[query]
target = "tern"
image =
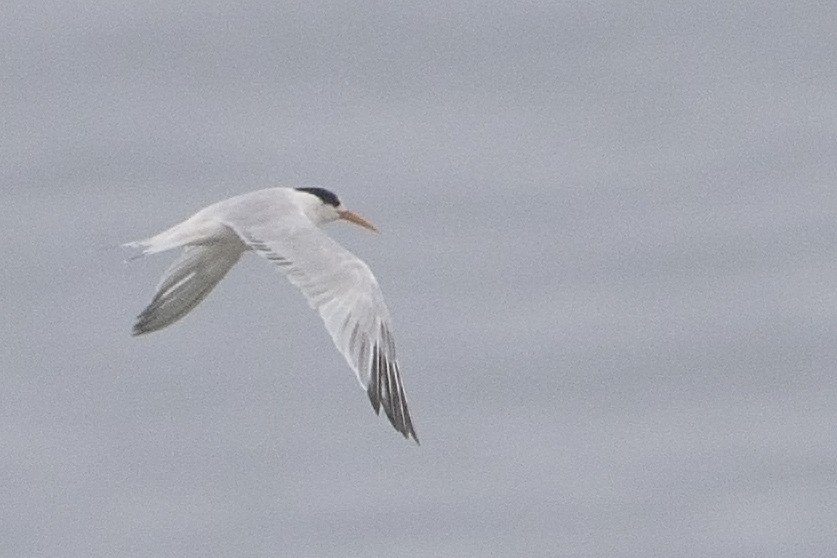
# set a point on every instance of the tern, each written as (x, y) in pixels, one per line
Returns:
(283, 226)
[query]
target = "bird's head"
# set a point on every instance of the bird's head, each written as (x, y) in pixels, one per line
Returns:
(323, 206)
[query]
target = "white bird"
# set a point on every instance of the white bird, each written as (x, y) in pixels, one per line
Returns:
(282, 225)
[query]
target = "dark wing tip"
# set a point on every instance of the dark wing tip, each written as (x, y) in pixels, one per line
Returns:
(145, 321)
(141, 326)
(385, 391)
(151, 319)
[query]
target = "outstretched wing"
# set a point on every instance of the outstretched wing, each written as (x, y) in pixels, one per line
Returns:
(187, 282)
(343, 290)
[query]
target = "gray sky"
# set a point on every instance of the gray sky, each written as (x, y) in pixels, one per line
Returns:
(608, 247)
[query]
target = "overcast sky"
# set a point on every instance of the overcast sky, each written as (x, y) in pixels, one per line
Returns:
(608, 245)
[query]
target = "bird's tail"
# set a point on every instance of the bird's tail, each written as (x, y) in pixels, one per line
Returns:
(190, 231)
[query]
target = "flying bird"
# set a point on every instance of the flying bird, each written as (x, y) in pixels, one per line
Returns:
(282, 225)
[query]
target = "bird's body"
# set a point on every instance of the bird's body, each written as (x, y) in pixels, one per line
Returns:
(282, 225)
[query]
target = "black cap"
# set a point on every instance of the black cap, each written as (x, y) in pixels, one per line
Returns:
(323, 194)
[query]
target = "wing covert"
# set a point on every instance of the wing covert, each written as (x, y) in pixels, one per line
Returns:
(343, 290)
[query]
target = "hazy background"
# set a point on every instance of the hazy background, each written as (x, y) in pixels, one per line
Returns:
(608, 245)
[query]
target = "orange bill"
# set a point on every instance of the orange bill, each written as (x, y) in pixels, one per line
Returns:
(356, 219)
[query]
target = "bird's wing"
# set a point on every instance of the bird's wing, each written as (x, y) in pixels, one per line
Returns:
(343, 290)
(187, 282)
